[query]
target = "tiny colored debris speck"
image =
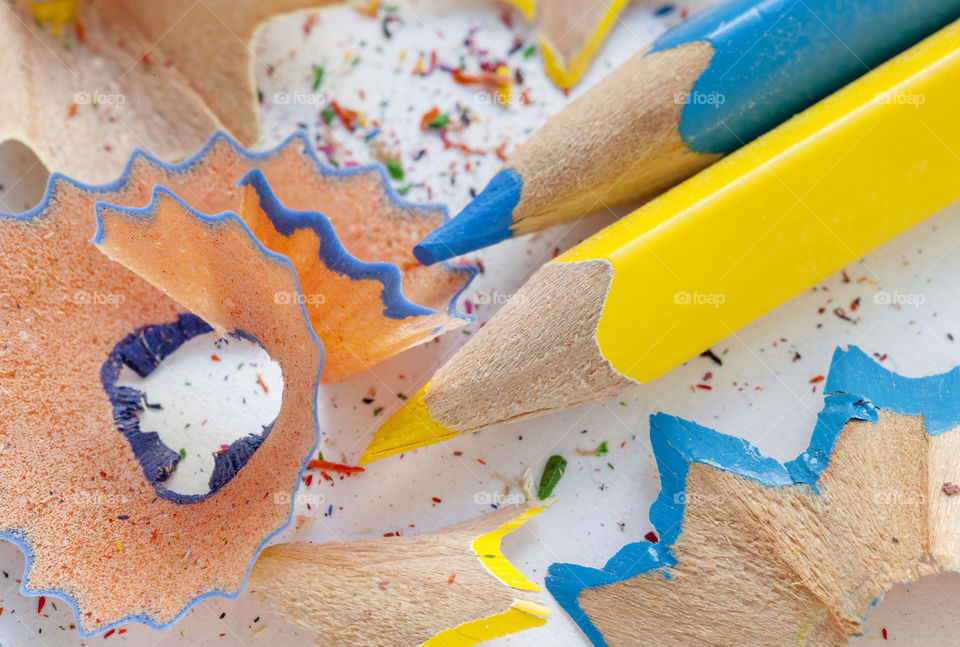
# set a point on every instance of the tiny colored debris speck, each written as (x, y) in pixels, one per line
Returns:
(317, 77)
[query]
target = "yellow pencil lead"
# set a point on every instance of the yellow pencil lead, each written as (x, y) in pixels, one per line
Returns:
(409, 428)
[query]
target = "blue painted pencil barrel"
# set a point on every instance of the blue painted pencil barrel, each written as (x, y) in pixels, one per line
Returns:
(773, 59)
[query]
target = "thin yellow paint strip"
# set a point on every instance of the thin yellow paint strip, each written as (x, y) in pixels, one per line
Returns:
(521, 615)
(782, 213)
(409, 428)
(487, 548)
(566, 72)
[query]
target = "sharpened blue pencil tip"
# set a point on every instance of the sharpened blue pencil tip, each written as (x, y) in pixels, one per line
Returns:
(485, 221)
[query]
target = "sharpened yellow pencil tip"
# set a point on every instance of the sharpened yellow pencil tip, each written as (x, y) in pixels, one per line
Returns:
(409, 428)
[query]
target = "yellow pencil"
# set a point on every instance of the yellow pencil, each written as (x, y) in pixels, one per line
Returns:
(711, 255)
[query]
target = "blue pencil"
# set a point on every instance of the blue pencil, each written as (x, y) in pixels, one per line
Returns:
(701, 91)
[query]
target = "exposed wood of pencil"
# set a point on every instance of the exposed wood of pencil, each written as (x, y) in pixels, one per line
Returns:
(509, 370)
(389, 591)
(213, 46)
(171, 73)
(765, 565)
(615, 144)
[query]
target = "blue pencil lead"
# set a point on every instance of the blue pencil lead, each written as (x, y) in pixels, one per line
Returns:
(488, 219)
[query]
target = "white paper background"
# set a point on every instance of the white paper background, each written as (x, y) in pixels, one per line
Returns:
(761, 392)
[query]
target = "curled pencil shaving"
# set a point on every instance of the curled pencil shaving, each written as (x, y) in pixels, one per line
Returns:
(86, 503)
(806, 547)
(347, 234)
(77, 498)
(440, 588)
(358, 308)
(86, 83)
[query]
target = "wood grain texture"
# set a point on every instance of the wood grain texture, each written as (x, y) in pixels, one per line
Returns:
(617, 143)
(165, 75)
(388, 591)
(533, 357)
(763, 565)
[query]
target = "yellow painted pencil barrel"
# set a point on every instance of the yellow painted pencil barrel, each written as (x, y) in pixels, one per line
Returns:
(774, 218)
(711, 255)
